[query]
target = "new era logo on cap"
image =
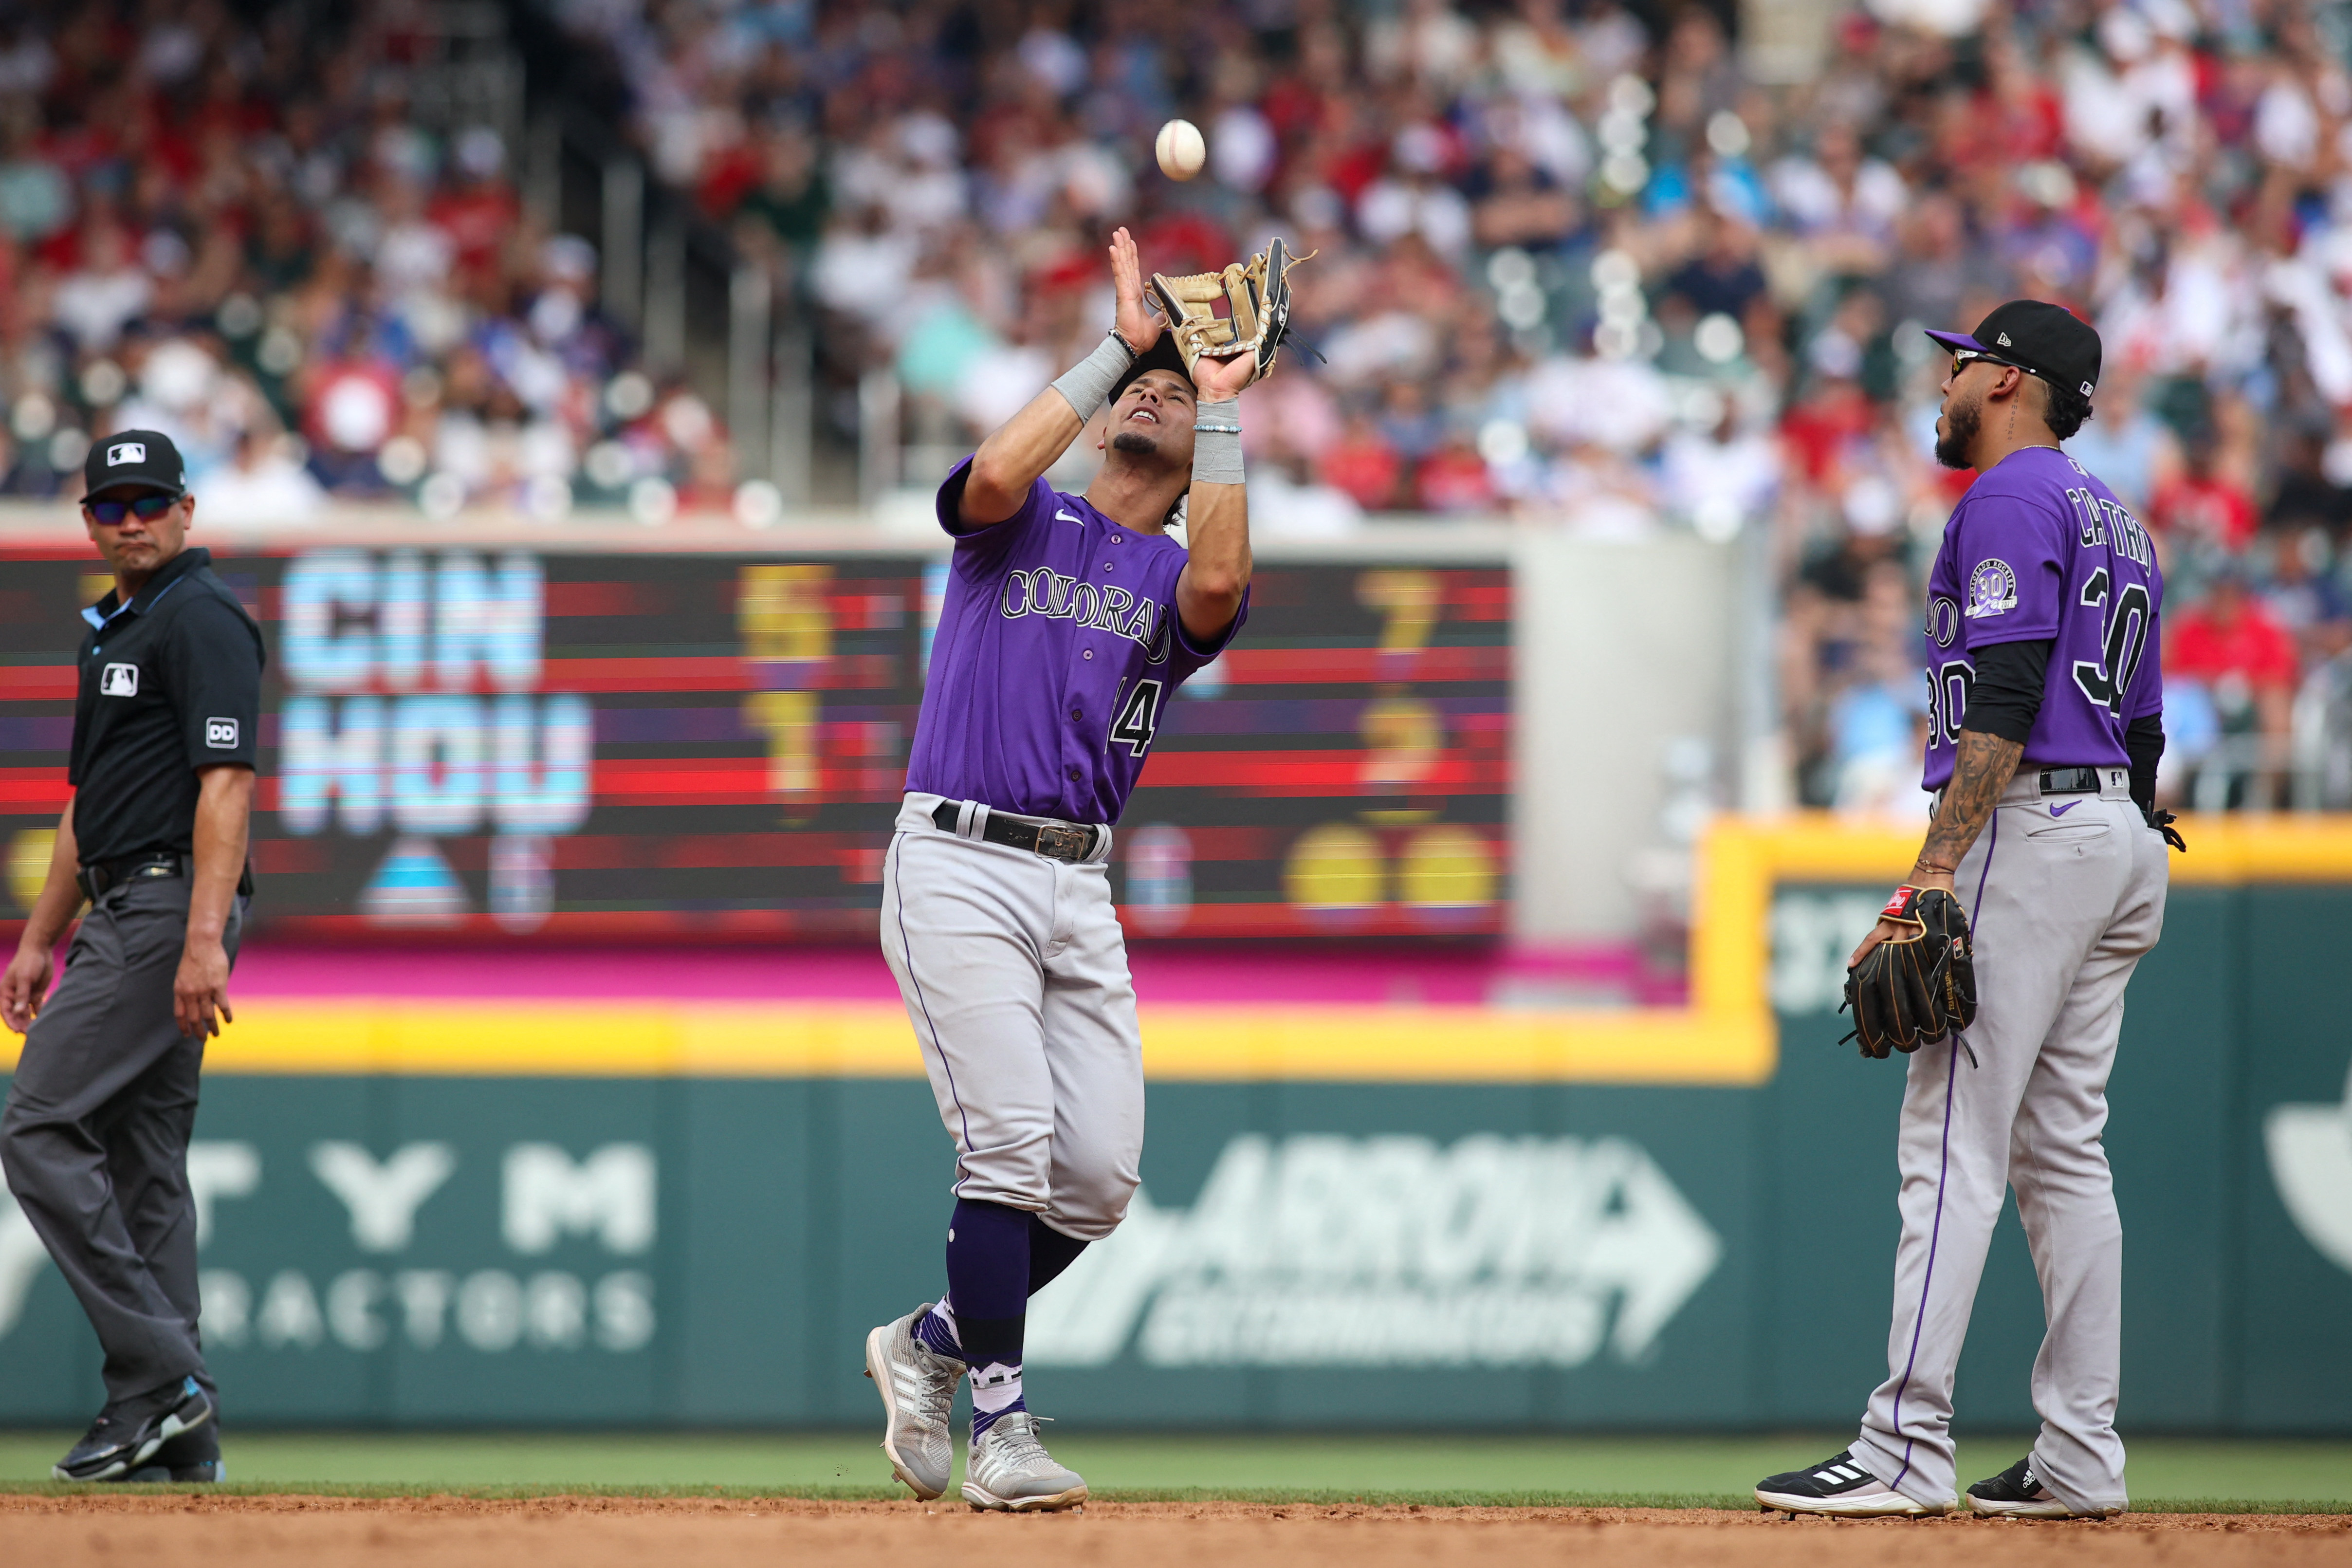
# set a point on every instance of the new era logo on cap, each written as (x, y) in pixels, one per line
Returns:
(122, 452)
(2004, 341)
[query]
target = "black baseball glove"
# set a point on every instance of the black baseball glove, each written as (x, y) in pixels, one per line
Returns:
(1914, 990)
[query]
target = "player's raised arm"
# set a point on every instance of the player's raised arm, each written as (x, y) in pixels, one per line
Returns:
(1216, 529)
(1020, 449)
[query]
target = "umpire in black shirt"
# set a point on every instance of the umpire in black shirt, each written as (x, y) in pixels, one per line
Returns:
(94, 1140)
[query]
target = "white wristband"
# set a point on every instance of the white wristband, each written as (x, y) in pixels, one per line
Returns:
(1217, 443)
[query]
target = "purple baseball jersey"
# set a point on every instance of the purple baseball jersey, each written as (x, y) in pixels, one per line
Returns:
(2036, 549)
(1058, 648)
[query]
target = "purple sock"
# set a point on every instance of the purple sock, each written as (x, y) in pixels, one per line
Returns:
(989, 1262)
(988, 1267)
(1050, 1252)
(936, 1329)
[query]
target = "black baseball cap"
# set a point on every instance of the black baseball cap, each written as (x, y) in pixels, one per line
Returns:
(142, 458)
(2042, 339)
(1162, 354)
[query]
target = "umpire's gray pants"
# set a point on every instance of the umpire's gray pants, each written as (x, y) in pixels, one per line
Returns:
(1014, 973)
(2063, 906)
(95, 1138)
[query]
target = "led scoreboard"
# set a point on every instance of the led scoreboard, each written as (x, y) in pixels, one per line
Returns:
(710, 747)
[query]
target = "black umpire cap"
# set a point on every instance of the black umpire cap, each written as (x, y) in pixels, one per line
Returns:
(144, 459)
(2039, 338)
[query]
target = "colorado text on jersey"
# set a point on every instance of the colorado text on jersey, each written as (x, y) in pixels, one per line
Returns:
(1104, 608)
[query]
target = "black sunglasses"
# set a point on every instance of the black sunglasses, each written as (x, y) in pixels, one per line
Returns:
(1961, 358)
(110, 514)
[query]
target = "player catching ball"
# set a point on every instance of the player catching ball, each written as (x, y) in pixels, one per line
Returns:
(1068, 622)
(2043, 732)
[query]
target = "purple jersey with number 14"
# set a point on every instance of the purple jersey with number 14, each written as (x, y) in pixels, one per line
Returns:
(2038, 549)
(1058, 647)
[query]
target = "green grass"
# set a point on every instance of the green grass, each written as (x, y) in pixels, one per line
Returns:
(2167, 1474)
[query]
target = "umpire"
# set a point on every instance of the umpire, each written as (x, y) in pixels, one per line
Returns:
(94, 1140)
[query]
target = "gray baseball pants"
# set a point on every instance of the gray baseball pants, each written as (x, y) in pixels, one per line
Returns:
(2065, 895)
(94, 1140)
(1014, 969)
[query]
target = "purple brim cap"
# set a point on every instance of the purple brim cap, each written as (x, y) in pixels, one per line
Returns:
(1958, 341)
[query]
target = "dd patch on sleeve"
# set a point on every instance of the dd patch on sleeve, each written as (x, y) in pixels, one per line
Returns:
(220, 734)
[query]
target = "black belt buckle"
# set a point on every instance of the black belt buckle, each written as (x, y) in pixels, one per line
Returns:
(1057, 842)
(99, 880)
(2069, 780)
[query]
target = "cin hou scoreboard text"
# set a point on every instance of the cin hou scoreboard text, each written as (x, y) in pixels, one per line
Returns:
(712, 746)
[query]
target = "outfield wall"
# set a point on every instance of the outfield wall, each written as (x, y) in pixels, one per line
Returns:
(430, 1213)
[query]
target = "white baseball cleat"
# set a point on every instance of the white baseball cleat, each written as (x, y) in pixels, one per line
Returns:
(1841, 1488)
(1009, 1470)
(917, 1387)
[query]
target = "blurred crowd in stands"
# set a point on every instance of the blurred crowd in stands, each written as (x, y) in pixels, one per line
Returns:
(238, 231)
(1595, 266)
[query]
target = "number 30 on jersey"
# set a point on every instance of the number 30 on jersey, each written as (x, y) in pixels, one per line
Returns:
(2122, 638)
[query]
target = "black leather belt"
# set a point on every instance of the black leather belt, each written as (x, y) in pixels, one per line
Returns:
(97, 880)
(2054, 781)
(2070, 781)
(1067, 841)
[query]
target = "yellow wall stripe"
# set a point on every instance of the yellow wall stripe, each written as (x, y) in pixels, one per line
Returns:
(873, 1040)
(1727, 1036)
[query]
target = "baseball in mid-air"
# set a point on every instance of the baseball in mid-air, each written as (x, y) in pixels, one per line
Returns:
(1181, 150)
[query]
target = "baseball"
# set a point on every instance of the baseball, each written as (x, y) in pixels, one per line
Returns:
(1181, 150)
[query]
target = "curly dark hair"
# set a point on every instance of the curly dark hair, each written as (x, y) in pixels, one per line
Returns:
(2065, 411)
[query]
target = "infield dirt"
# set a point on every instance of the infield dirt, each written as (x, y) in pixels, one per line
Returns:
(192, 1532)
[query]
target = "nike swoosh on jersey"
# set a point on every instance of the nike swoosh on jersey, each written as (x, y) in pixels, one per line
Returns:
(2063, 810)
(1069, 517)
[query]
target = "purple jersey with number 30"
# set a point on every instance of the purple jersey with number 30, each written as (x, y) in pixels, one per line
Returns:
(2039, 549)
(1058, 648)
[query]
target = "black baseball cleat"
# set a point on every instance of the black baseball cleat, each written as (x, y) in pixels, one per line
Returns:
(1837, 1486)
(2018, 1493)
(203, 1472)
(129, 1432)
(190, 1457)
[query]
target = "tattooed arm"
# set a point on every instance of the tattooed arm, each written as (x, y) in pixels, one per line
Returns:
(1980, 773)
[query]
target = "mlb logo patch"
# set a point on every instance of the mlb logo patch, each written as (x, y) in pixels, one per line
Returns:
(220, 734)
(123, 452)
(118, 680)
